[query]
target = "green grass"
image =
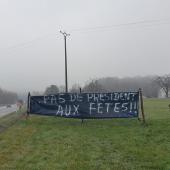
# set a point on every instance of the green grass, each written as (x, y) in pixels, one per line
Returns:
(10, 119)
(58, 143)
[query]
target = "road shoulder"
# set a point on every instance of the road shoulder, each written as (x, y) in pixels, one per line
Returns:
(10, 119)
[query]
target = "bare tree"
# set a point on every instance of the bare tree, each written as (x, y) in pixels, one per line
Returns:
(149, 87)
(75, 88)
(62, 89)
(93, 86)
(36, 93)
(7, 97)
(53, 89)
(164, 83)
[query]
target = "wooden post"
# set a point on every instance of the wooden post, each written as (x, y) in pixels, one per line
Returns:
(28, 105)
(141, 103)
(82, 120)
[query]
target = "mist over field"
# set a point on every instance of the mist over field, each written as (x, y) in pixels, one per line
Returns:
(107, 39)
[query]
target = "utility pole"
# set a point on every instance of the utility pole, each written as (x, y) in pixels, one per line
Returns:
(66, 80)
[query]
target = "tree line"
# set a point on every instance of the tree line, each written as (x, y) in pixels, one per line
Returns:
(150, 85)
(7, 97)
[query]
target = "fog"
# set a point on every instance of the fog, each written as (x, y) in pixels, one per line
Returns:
(107, 39)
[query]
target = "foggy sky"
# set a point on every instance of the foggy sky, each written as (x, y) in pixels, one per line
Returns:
(32, 49)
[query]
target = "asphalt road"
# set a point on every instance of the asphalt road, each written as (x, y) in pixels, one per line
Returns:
(6, 110)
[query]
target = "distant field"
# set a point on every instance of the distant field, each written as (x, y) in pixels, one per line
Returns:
(57, 143)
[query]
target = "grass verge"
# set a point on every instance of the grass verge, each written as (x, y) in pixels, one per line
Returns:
(11, 119)
(122, 144)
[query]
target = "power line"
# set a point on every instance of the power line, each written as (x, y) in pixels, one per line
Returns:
(123, 24)
(27, 42)
(99, 28)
